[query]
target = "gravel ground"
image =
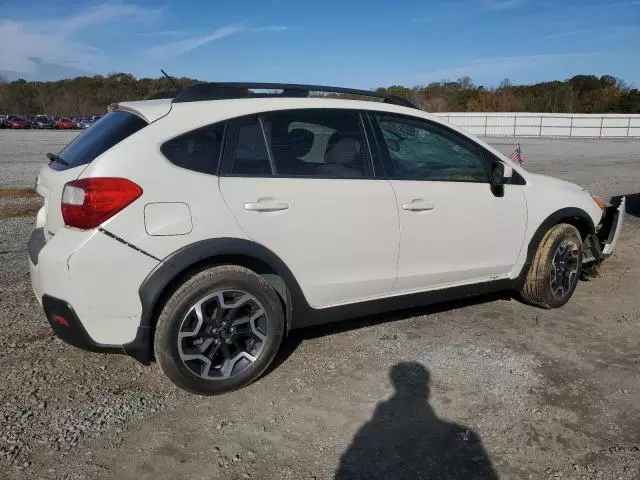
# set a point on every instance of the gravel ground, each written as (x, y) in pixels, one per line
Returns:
(488, 384)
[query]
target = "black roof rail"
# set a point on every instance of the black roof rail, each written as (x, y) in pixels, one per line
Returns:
(224, 91)
(165, 94)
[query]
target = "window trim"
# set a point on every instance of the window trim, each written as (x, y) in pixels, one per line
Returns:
(231, 143)
(447, 133)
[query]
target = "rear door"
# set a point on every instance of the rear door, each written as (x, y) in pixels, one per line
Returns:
(302, 183)
(73, 159)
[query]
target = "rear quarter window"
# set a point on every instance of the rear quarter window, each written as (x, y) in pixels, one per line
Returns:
(104, 134)
(197, 150)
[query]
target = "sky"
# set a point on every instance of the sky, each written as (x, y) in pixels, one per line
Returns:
(351, 43)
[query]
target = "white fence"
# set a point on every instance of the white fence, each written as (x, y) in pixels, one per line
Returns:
(546, 124)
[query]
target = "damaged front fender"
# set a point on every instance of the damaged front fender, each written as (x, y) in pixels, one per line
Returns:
(600, 245)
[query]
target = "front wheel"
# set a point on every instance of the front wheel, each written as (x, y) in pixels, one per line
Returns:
(219, 331)
(555, 270)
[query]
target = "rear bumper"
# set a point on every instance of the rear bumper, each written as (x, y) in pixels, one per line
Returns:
(91, 281)
(68, 327)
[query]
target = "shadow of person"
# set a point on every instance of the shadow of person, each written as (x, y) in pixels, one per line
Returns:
(406, 440)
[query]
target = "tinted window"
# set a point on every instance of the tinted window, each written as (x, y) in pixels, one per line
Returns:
(317, 143)
(421, 151)
(110, 130)
(198, 150)
(251, 156)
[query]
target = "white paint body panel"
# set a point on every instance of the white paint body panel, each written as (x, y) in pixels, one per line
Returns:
(469, 236)
(344, 240)
(99, 277)
(339, 238)
(167, 218)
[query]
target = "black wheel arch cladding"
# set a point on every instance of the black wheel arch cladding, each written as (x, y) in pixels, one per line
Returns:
(571, 215)
(162, 278)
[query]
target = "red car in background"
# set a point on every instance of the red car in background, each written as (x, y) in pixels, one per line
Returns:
(65, 123)
(16, 122)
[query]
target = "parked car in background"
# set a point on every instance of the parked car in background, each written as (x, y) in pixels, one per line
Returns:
(16, 122)
(42, 121)
(95, 118)
(83, 123)
(65, 123)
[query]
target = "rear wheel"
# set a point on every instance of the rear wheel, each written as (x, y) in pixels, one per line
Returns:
(219, 331)
(555, 270)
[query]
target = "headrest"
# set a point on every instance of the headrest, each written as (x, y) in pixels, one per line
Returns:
(344, 152)
(301, 141)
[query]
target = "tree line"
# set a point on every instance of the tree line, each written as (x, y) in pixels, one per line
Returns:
(579, 94)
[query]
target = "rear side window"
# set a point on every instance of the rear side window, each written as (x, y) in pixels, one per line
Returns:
(303, 143)
(104, 134)
(198, 150)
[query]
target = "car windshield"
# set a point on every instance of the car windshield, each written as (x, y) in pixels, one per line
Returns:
(42, 118)
(110, 130)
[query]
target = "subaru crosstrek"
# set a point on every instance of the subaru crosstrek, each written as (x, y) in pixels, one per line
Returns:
(199, 229)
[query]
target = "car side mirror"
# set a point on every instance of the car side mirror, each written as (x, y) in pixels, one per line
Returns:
(500, 173)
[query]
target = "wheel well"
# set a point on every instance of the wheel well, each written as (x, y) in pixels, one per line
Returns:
(580, 223)
(259, 267)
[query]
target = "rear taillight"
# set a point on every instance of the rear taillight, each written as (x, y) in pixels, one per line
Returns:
(88, 202)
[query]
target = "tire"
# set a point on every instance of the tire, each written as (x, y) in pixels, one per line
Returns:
(555, 270)
(181, 359)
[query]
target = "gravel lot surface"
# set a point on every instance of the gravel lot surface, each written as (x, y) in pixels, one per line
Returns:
(489, 384)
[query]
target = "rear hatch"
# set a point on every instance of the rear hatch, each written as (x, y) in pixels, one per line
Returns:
(69, 163)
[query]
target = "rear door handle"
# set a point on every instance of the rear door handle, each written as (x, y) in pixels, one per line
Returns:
(266, 206)
(418, 205)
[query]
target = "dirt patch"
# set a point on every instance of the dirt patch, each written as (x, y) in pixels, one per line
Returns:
(18, 192)
(18, 211)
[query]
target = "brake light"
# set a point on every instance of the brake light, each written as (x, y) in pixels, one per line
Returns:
(89, 202)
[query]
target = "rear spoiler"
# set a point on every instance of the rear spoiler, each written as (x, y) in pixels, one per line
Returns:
(148, 110)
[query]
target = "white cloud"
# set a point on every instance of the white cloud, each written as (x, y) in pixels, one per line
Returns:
(53, 41)
(567, 33)
(270, 28)
(165, 33)
(173, 49)
(502, 4)
(498, 67)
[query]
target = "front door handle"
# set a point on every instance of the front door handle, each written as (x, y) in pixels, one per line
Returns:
(266, 206)
(418, 205)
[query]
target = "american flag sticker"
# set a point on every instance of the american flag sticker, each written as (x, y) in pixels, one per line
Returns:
(517, 156)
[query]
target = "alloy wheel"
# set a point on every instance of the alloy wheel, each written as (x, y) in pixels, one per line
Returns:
(222, 334)
(564, 268)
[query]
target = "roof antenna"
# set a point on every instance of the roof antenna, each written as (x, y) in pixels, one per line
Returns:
(171, 79)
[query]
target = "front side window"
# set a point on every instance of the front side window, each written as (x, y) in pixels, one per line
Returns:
(198, 150)
(419, 150)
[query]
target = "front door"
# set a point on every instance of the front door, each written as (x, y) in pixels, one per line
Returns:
(454, 229)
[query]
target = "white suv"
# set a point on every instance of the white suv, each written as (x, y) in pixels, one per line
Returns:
(199, 229)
